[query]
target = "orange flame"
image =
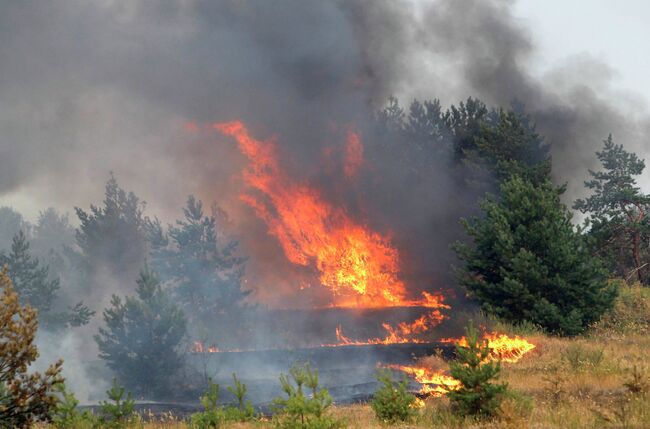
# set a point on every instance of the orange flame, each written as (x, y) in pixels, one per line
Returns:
(358, 265)
(199, 347)
(502, 347)
(402, 333)
(434, 383)
(353, 154)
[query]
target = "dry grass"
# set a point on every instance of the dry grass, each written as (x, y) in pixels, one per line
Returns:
(563, 383)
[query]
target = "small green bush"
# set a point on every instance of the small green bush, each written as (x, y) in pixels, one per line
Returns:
(119, 410)
(300, 410)
(392, 402)
(66, 414)
(214, 416)
(477, 395)
(631, 312)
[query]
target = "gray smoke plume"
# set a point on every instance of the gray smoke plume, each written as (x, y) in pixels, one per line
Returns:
(87, 88)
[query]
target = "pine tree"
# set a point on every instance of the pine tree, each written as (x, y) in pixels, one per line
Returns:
(35, 287)
(205, 275)
(618, 211)
(11, 222)
(142, 337)
(29, 278)
(112, 237)
(24, 397)
(477, 394)
(528, 262)
(509, 145)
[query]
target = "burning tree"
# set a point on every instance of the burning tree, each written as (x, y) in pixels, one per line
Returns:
(618, 211)
(529, 263)
(24, 398)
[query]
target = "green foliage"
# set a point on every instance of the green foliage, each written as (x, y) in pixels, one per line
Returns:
(392, 402)
(11, 222)
(630, 315)
(579, 357)
(141, 342)
(34, 286)
(24, 398)
(618, 211)
(477, 394)
(301, 410)
(214, 416)
(528, 263)
(638, 384)
(509, 145)
(119, 410)
(112, 237)
(67, 415)
(205, 274)
(244, 410)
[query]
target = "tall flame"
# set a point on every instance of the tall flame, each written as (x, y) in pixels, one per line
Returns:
(358, 265)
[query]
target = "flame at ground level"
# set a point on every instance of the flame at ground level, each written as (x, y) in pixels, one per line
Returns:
(502, 347)
(403, 333)
(434, 382)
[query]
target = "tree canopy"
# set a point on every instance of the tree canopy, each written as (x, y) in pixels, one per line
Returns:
(528, 263)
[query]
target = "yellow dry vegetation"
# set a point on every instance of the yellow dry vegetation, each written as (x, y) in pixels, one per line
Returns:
(600, 380)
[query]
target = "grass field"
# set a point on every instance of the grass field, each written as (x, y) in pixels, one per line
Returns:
(599, 380)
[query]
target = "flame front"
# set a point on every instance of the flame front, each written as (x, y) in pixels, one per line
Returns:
(358, 265)
(402, 333)
(434, 382)
(502, 347)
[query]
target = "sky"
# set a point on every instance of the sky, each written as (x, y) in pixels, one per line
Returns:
(88, 88)
(616, 32)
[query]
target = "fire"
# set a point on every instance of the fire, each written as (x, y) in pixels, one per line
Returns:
(501, 346)
(353, 154)
(434, 382)
(199, 347)
(402, 333)
(358, 265)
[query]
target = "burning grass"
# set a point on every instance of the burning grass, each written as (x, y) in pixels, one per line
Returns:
(599, 380)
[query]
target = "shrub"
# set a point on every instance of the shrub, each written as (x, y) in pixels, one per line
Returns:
(392, 402)
(300, 410)
(67, 414)
(213, 416)
(119, 411)
(24, 398)
(476, 395)
(579, 357)
(631, 312)
(638, 384)
(244, 410)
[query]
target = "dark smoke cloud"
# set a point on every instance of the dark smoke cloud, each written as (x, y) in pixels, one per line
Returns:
(92, 87)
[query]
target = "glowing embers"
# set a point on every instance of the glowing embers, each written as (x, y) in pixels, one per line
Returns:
(358, 265)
